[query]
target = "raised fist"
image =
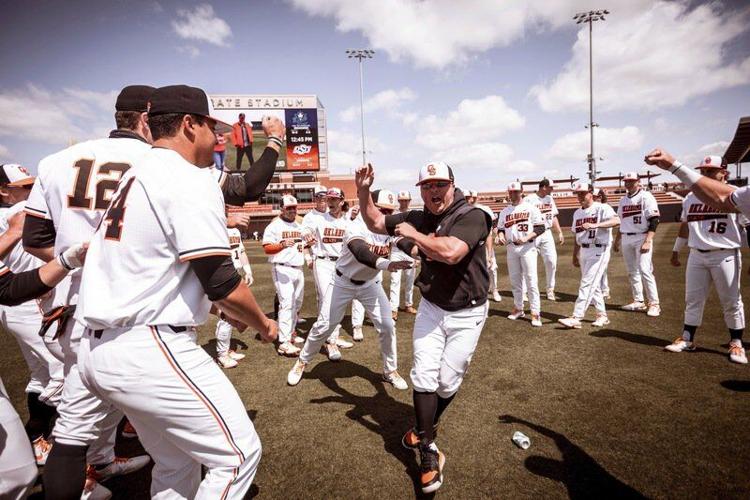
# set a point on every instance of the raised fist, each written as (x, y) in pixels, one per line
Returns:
(273, 126)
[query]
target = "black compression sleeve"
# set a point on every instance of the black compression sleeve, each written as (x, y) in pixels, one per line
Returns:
(18, 288)
(38, 232)
(362, 253)
(405, 245)
(259, 175)
(539, 229)
(217, 276)
(653, 222)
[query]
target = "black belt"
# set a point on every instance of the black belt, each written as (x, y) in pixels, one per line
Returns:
(356, 282)
(597, 245)
(716, 250)
(633, 234)
(521, 244)
(286, 265)
(175, 329)
(325, 257)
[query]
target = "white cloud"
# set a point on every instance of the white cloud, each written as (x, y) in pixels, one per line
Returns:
(607, 141)
(345, 150)
(202, 24)
(4, 153)
(477, 156)
(715, 148)
(659, 57)
(388, 101)
(442, 33)
(473, 121)
(191, 50)
(34, 113)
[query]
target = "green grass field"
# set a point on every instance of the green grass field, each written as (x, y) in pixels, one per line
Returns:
(609, 413)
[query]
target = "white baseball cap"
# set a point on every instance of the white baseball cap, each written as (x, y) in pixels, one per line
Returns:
(581, 187)
(711, 162)
(384, 199)
(473, 193)
(404, 195)
(515, 186)
(14, 175)
(630, 176)
(320, 191)
(435, 171)
(335, 192)
(288, 201)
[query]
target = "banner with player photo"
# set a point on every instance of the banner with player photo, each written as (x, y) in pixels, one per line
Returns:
(301, 139)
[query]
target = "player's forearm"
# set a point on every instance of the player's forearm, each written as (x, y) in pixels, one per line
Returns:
(715, 193)
(260, 174)
(374, 220)
(556, 225)
(613, 222)
(241, 305)
(8, 241)
(446, 249)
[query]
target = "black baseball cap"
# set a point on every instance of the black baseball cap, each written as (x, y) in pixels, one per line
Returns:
(183, 99)
(134, 98)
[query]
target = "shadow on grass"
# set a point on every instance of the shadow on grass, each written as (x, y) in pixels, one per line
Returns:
(578, 471)
(235, 344)
(380, 413)
(637, 338)
(736, 385)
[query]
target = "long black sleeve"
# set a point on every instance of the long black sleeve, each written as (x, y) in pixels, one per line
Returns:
(653, 222)
(362, 253)
(406, 245)
(18, 288)
(238, 189)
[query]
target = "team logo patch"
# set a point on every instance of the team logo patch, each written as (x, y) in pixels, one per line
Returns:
(390, 199)
(431, 169)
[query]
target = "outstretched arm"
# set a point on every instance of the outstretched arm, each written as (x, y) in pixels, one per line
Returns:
(374, 220)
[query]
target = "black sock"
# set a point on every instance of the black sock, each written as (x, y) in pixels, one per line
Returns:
(38, 422)
(442, 404)
(691, 329)
(425, 405)
(65, 472)
(736, 334)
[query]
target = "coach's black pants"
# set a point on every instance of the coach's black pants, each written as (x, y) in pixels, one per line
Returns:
(244, 151)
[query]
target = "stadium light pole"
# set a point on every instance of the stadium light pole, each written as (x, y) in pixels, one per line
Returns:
(589, 17)
(361, 55)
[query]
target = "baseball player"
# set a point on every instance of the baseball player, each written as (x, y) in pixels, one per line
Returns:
(715, 238)
(70, 194)
(282, 242)
(450, 235)
(519, 224)
(592, 227)
(600, 195)
(226, 356)
(357, 275)
(158, 259)
(325, 232)
(545, 243)
(408, 275)
(639, 218)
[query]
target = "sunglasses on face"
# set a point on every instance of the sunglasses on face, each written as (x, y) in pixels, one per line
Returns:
(438, 185)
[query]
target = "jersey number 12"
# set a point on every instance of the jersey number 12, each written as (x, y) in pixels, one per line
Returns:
(82, 198)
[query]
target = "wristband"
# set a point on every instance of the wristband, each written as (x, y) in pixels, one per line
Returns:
(275, 140)
(687, 176)
(679, 244)
(64, 263)
(382, 264)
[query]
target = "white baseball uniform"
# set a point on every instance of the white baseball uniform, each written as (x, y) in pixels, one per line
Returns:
(545, 242)
(594, 255)
(634, 212)
(518, 221)
(24, 322)
(141, 303)
(354, 280)
(18, 470)
(73, 189)
(286, 270)
(715, 241)
(224, 328)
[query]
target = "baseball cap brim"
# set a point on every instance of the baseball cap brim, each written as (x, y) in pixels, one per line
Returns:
(22, 182)
(433, 179)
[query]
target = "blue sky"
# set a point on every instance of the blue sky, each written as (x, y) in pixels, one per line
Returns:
(499, 89)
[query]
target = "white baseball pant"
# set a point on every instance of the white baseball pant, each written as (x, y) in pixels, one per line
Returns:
(444, 343)
(290, 288)
(594, 261)
(46, 371)
(492, 267)
(18, 469)
(723, 268)
(408, 276)
(358, 310)
(223, 337)
(185, 410)
(323, 271)
(545, 244)
(83, 418)
(604, 284)
(522, 271)
(640, 267)
(339, 293)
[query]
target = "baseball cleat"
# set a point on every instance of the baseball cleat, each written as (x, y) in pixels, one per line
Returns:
(654, 310)
(296, 339)
(737, 354)
(128, 431)
(680, 344)
(410, 310)
(411, 439)
(295, 374)
(634, 306)
(118, 467)
(343, 344)
(226, 361)
(332, 351)
(357, 334)
(431, 463)
(600, 321)
(396, 380)
(92, 490)
(571, 322)
(516, 314)
(42, 447)
(236, 355)
(288, 349)
(496, 296)
(551, 294)
(536, 320)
